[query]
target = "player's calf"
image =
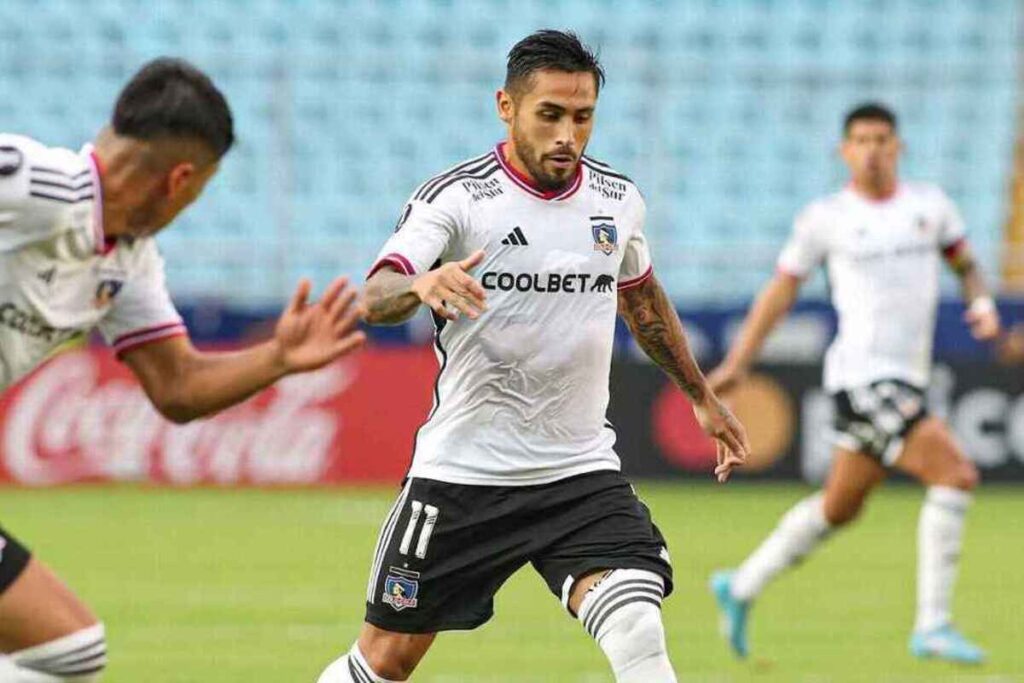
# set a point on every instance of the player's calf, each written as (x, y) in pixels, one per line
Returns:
(622, 612)
(352, 667)
(80, 657)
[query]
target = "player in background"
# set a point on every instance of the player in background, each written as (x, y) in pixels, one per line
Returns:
(76, 253)
(883, 240)
(524, 254)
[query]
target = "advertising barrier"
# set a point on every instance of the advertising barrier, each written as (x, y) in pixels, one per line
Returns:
(83, 417)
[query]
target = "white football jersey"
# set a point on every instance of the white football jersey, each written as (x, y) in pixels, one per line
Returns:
(59, 277)
(883, 260)
(522, 391)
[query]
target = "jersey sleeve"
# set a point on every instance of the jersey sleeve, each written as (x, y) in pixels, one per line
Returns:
(952, 234)
(141, 311)
(424, 233)
(636, 264)
(38, 188)
(806, 247)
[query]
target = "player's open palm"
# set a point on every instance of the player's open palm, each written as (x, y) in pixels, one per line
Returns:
(450, 291)
(310, 336)
(732, 446)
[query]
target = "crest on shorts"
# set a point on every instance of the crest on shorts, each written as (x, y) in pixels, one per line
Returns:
(401, 587)
(106, 291)
(606, 236)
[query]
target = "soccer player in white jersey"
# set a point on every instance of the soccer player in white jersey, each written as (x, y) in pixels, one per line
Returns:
(523, 254)
(77, 253)
(883, 240)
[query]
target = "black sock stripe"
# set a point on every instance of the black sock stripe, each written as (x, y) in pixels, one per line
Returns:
(357, 671)
(77, 651)
(89, 664)
(78, 661)
(429, 185)
(599, 615)
(616, 591)
(628, 601)
(480, 173)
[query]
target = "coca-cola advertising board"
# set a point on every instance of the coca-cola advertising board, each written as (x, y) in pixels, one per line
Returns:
(83, 417)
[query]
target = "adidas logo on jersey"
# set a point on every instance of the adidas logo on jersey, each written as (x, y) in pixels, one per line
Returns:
(516, 238)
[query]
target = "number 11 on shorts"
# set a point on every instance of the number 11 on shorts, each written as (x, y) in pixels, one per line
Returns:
(429, 513)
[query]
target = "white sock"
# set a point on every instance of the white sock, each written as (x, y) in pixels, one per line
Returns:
(798, 533)
(623, 614)
(79, 657)
(351, 668)
(12, 673)
(939, 537)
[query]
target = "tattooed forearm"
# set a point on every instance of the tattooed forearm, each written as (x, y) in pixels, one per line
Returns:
(388, 298)
(657, 329)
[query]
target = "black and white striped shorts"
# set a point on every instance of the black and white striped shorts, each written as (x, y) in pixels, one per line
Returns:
(445, 549)
(876, 419)
(13, 559)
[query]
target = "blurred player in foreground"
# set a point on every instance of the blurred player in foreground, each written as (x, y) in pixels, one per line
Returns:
(881, 239)
(77, 253)
(516, 462)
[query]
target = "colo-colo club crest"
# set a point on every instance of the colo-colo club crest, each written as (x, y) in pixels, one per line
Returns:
(400, 588)
(606, 237)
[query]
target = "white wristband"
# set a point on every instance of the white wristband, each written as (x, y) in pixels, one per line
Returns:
(982, 305)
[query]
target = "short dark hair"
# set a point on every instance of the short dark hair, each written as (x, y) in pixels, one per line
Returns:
(869, 111)
(171, 98)
(549, 49)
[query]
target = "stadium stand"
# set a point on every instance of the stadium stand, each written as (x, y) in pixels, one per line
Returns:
(726, 115)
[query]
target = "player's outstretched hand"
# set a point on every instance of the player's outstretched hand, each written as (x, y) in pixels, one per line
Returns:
(725, 378)
(309, 336)
(983, 319)
(718, 422)
(450, 291)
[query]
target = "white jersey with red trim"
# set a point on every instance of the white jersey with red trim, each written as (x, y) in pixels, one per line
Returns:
(522, 391)
(59, 278)
(883, 263)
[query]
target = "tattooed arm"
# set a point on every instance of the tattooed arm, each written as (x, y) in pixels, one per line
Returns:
(655, 325)
(391, 298)
(981, 315)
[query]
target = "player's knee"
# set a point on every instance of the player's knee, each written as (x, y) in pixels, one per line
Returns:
(389, 657)
(967, 477)
(80, 656)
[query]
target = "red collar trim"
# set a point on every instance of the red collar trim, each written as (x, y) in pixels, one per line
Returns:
(527, 184)
(104, 244)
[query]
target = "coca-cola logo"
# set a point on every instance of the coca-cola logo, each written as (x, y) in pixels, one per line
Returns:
(82, 417)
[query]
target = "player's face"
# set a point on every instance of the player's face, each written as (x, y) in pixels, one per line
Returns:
(179, 188)
(871, 150)
(550, 124)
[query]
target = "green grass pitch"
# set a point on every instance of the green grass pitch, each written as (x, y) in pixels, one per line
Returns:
(254, 586)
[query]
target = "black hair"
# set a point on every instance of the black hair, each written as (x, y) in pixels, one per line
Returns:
(549, 49)
(869, 111)
(171, 98)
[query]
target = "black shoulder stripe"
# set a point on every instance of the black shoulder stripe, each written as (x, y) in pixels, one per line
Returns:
(54, 171)
(425, 187)
(595, 161)
(480, 174)
(440, 181)
(605, 171)
(63, 185)
(66, 200)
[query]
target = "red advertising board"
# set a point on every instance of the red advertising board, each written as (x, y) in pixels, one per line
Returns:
(83, 417)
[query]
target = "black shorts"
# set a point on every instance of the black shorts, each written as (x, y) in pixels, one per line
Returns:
(445, 549)
(13, 559)
(877, 418)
